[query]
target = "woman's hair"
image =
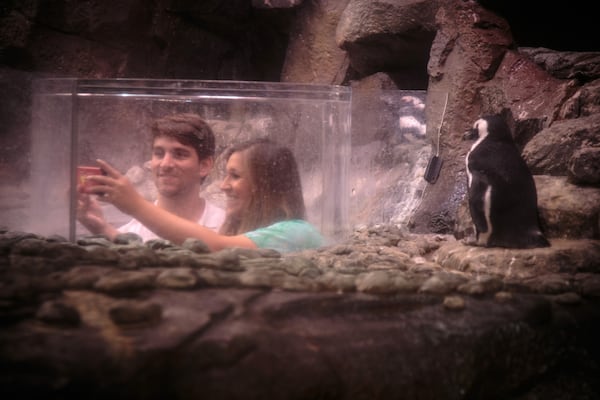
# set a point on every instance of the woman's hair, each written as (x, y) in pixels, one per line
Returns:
(276, 186)
(188, 129)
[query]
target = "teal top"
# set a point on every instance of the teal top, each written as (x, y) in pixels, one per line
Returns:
(287, 236)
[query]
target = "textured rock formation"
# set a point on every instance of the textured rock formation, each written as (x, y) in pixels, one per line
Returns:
(387, 314)
(312, 53)
(553, 148)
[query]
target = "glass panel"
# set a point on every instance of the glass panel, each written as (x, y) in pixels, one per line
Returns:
(77, 121)
(390, 152)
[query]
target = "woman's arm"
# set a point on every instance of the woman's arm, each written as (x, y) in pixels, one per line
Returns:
(119, 191)
(177, 229)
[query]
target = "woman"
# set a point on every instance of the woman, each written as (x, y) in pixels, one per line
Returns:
(264, 208)
(264, 197)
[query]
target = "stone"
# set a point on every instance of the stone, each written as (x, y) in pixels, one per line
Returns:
(566, 64)
(126, 281)
(568, 211)
(584, 102)
(128, 238)
(386, 35)
(131, 313)
(584, 166)
(312, 54)
(564, 255)
(195, 245)
(454, 303)
(177, 278)
(550, 151)
(58, 313)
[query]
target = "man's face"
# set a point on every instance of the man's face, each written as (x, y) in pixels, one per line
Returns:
(176, 167)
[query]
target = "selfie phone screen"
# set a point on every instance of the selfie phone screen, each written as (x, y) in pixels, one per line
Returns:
(83, 172)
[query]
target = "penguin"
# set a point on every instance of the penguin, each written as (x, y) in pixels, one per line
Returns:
(501, 191)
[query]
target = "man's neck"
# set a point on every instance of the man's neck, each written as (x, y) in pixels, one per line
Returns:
(190, 207)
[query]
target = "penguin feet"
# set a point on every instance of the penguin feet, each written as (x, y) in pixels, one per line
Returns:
(471, 241)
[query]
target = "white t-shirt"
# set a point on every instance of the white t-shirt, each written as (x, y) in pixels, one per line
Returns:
(212, 218)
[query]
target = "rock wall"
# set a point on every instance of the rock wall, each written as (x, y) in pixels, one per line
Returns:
(385, 315)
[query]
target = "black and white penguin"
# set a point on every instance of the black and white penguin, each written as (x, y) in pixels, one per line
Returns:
(501, 190)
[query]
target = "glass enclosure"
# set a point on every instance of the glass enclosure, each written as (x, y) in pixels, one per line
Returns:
(75, 122)
(389, 156)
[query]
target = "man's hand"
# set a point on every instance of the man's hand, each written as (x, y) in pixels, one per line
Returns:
(115, 188)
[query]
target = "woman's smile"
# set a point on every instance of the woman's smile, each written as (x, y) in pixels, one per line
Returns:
(236, 184)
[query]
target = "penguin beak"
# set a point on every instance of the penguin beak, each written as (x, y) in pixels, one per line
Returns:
(471, 134)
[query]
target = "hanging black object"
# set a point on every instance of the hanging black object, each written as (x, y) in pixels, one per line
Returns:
(433, 169)
(432, 172)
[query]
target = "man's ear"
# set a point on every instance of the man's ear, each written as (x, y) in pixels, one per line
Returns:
(206, 165)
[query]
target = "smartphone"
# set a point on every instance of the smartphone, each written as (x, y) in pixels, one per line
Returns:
(83, 172)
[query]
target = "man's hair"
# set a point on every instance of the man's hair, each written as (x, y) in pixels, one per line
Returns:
(188, 129)
(276, 186)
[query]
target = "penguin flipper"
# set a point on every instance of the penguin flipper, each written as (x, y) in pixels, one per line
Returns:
(478, 204)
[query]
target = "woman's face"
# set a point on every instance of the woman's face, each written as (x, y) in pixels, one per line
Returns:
(237, 184)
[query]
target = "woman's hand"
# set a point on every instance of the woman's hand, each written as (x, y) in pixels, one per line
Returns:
(115, 188)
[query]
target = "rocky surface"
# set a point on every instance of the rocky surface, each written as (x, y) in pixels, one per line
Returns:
(384, 314)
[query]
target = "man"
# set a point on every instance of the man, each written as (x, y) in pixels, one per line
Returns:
(183, 148)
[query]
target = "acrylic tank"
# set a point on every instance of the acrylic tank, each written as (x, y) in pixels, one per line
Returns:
(76, 121)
